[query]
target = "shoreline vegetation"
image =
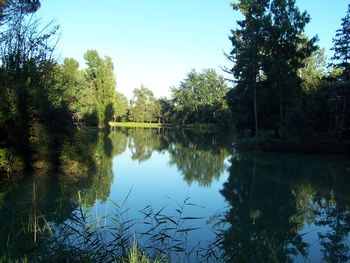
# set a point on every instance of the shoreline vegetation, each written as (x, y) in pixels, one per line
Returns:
(69, 161)
(295, 145)
(139, 125)
(265, 143)
(199, 126)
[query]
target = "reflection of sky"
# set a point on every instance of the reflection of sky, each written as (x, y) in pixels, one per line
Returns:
(310, 232)
(154, 182)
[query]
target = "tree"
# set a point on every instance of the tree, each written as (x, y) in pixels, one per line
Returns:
(248, 46)
(121, 107)
(27, 91)
(165, 110)
(341, 59)
(72, 85)
(313, 71)
(143, 105)
(268, 50)
(287, 50)
(101, 80)
(200, 97)
(11, 8)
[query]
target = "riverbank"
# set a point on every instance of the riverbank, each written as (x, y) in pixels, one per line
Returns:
(197, 126)
(139, 124)
(294, 145)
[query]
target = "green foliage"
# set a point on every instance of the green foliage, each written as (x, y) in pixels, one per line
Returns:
(341, 47)
(165, 110)
(121, 107)
(313, 71)
(8, 160)
(136, 124)
(43, 101)
(341, 59)
(248, 42)
(268, 50)
(72, 85)
(30, 97)
(136, 255)
(101, 81)
(143, 106)
(326, 95)
(200, 98)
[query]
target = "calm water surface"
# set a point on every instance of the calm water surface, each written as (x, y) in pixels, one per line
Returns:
(250, 207)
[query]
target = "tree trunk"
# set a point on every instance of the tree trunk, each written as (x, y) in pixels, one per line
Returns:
(342, 118)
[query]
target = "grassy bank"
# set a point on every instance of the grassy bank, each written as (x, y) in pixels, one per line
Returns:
(139, 124)
(196, 126)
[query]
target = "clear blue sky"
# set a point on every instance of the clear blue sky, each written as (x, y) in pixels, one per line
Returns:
(156, 42)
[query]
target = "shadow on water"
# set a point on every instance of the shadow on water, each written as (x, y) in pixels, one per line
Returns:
(276, 201)
(33, 205)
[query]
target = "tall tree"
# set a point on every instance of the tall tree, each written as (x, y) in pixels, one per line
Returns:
(313, 71)
(165, 109)
(142, 105)
(247, 43)
(287, 50)
(268, 50)
(121, 107)
(341, 59)
(102, 83)
(72, 85)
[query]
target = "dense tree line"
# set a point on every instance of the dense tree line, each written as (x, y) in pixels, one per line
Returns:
(200, 98)
(280, 79)
(90, 92)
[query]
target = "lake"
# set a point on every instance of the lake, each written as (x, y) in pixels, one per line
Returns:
(187, 194)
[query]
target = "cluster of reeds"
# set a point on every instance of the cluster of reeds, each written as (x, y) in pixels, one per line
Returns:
(154, 237)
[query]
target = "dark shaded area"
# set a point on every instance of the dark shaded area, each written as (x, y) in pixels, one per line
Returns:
(281, 82)
(271, 197)
(34, 205)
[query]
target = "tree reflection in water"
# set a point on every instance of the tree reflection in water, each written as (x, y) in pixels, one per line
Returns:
(271, 200)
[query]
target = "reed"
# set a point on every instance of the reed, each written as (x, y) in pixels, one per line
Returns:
(86, 237)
